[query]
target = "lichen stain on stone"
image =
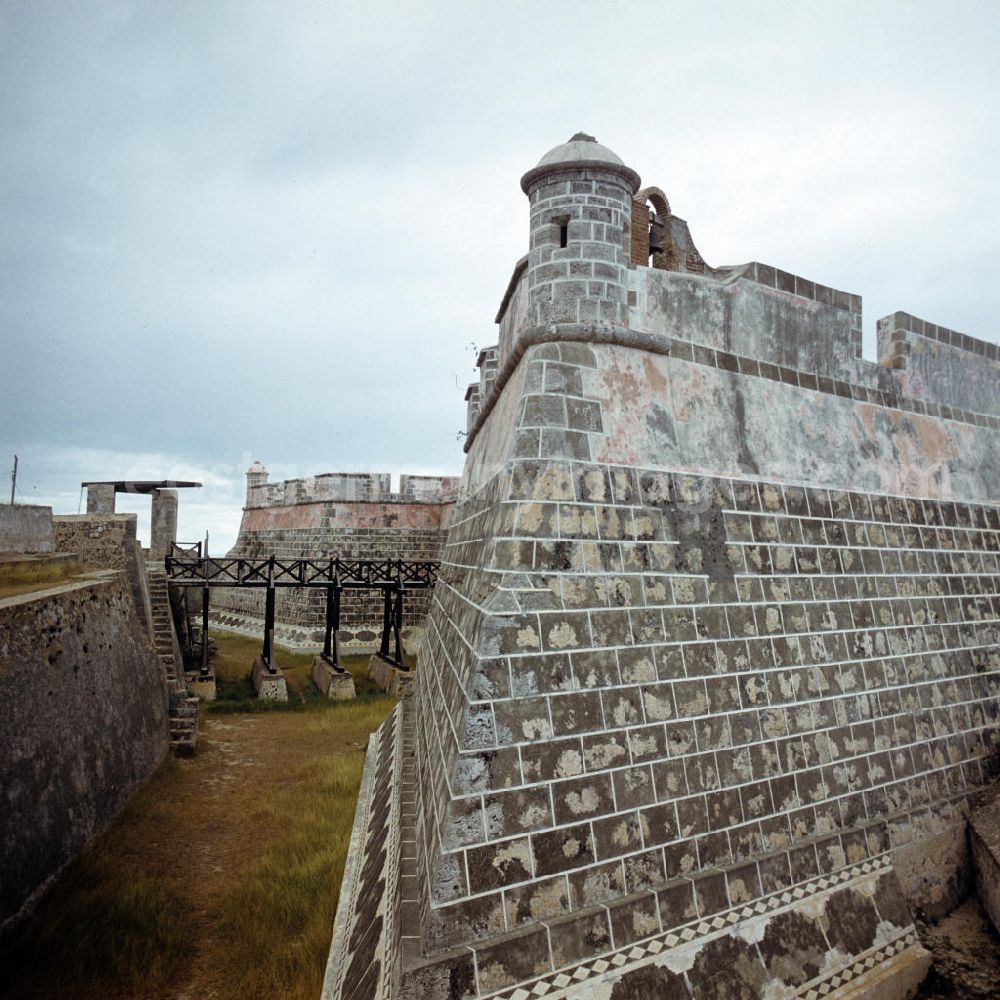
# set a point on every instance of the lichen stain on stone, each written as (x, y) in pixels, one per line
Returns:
(527, 638)
(533, 815)
(571, 847)
(514, 853)
(562, 636)
(568, 764)
(584, 801)
(536, 729)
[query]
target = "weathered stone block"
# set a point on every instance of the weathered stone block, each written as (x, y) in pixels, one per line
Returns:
(268, 686)
(336, 684)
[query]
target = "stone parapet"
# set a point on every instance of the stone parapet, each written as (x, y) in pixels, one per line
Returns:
(26, 528)
(99, 540)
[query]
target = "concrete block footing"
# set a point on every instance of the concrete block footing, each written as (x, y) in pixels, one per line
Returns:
(984, 839)
(389, 677)
(200, 687)
(269, 687)
(334, 683)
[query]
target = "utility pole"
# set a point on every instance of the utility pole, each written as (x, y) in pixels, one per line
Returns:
(13, 482)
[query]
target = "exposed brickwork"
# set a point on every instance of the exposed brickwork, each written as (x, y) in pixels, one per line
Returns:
(640, 233)
(96, 539)
(718, 668)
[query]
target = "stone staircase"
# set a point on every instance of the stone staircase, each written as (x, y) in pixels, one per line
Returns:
(183, 708)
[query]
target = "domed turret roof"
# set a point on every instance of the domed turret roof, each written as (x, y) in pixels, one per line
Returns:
(256, 467)
(580, 147)
(580, 151)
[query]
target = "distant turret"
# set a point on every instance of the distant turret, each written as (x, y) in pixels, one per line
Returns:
(256, 476)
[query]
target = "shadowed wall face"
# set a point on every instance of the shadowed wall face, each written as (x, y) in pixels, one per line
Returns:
(84, 725)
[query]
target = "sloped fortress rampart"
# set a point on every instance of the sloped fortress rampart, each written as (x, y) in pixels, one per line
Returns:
(337, 514)
(713, 663)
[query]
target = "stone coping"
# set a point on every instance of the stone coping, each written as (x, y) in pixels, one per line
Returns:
(519, 268)
(380, 499)
(924, 328)
(724, 360)
(94, 578)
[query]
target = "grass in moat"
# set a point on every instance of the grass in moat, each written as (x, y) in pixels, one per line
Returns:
(220, 878)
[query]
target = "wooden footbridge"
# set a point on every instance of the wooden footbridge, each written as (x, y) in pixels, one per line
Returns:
(186, 567)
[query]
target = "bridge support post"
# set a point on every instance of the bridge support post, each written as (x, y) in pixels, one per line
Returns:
(205, 591)
(268, 651)
(392, 623)
(397, 625)
(330, 650)
(267, 679)
(327, 673)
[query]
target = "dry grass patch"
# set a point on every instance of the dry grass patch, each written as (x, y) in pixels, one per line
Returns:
(220, 879)
(23, 576)
(112, 925)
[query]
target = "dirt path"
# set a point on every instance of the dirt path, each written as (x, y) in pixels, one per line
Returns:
(224, 825)
(218, 832)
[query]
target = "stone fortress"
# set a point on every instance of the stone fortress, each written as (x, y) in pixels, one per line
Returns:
(712, 668)
(339, 514)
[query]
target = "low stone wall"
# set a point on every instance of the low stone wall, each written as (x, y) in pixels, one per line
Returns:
(984, 839)
(102, 540)
(84, 724)
(25, 528)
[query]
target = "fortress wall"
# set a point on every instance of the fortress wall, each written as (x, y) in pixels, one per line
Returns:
(327, 486)
(348, 530)
(697, 624)
(104, 540)
(696, 415)
(791, 324)
(712, 668)
(939, 365)
(84, 724)
(513, 314)
(25, 528)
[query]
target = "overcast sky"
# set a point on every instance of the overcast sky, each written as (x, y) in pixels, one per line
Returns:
(281, 230)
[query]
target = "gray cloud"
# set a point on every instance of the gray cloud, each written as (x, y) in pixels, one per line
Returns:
(276, 229)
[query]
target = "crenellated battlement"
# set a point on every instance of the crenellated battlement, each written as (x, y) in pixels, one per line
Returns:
(347, 487)
(940, 366)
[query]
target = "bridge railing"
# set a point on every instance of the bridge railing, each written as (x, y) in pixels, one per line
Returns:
(185, 549)
(392, 576)
(194, 571)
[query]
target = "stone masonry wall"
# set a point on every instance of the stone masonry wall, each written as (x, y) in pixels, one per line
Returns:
(83, 726)
(712, 666)
(660, 685)
(412, 530)
(103, 540)
(25, 528)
